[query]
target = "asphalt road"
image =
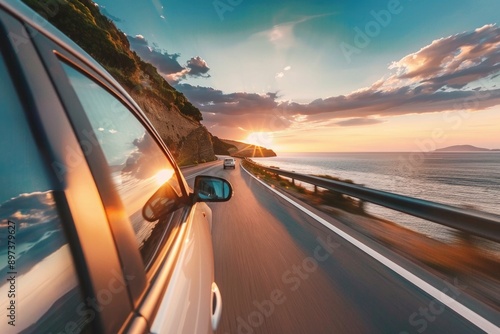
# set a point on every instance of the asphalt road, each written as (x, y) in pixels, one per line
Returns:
(280, 271)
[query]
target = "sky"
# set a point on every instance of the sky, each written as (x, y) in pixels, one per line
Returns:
(328, 75)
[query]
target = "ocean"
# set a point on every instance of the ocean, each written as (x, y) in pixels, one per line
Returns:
(462, 179)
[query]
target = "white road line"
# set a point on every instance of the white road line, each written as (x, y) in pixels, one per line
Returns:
(453, 304)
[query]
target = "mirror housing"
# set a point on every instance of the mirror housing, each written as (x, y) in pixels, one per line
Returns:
(164, 201)
(212, 189)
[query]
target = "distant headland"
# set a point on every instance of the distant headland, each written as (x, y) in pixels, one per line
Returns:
(465, 148)
(240, 149)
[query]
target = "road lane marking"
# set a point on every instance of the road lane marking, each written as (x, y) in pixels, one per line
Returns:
(450, 302)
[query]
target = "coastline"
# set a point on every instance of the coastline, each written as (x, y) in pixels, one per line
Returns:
(454, 178)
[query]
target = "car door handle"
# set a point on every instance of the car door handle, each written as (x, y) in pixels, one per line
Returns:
(216, 306)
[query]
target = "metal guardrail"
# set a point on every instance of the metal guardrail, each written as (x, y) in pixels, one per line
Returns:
(482, 224)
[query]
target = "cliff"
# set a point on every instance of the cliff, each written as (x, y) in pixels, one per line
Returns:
(245, 150)
(223, 148)
(188, 140)
(175, 118)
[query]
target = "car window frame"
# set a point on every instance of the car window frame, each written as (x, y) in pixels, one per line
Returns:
(177, 216)
(144, 283)
(130, 262)
(41, 106)
(14, 77)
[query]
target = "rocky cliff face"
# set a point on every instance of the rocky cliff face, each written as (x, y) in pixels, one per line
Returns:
(223, 148)
(188, 140)
(196, 147)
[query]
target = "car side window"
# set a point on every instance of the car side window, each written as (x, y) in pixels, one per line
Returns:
(144, 177)
(39, 285)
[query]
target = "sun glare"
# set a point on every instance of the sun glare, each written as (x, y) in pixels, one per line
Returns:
(163, 176)
(264, 139)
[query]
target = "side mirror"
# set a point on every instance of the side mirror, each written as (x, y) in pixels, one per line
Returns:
(211, 189)
(163, 201)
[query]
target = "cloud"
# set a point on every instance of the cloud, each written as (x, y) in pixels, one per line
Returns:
(168, 64)
(280, 75)
(165, 63)
(360, 122)
(438, 77)
(245, 110)
(29, 209)
(198, 67)
(451, 73)
(282, 36)
(215, 101)
(454, 61)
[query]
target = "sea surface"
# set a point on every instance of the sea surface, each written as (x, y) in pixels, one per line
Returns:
(462, 179)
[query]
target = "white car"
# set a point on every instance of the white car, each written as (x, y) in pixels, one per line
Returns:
(229, 163)
(100, 232)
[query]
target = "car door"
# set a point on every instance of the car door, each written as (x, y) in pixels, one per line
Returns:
(63, 269)
(167, 261)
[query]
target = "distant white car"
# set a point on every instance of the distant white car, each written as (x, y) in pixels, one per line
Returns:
(229, 163)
